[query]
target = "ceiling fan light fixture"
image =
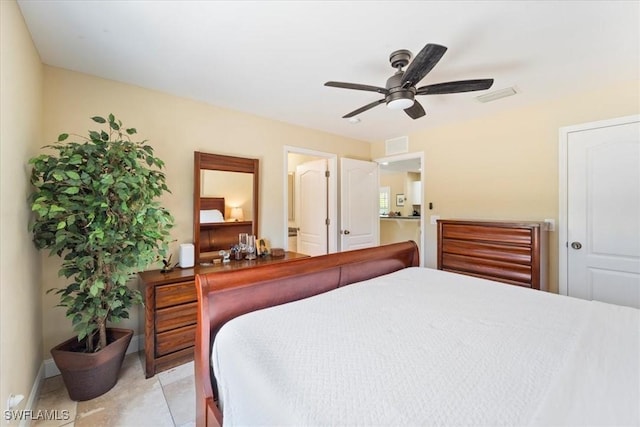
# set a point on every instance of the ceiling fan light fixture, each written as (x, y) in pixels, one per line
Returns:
(401, 88)
(400, 103)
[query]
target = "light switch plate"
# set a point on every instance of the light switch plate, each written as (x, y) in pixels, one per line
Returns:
(549, 225)
(433, 219)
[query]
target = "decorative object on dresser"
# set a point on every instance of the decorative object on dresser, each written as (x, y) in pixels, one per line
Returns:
(169, 318)
(95, 205)
(225, 202)
(187, 255)
(277, 252)
(505, 251)
(263, 247)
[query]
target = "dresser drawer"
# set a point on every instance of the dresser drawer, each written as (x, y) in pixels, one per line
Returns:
(176, 316)
(175, 293)
(499, 252)
(510, 235)
(491, 269)
(175, 339)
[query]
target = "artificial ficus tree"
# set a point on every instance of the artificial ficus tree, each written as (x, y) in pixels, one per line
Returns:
(95, 204)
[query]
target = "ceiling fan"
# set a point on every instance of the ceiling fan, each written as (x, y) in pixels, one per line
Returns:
(400, 90)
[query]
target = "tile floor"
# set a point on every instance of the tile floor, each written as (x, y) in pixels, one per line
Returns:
(167, 399)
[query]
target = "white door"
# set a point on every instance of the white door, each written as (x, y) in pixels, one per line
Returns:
(603, 213)
(359, 211)
(311, 205)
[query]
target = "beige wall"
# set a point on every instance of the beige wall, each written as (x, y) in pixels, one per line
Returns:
(506, 166)
(20, 132)
(176, 127)
(393, 230)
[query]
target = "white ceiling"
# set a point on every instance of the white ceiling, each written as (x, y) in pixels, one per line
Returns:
(271, 59)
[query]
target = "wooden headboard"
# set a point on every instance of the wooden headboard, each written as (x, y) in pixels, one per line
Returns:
(225, 295)
(208, 203)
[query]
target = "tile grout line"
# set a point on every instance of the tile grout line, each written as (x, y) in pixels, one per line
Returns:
(166, 401)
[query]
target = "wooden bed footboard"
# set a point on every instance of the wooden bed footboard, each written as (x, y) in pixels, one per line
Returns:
(225, 295)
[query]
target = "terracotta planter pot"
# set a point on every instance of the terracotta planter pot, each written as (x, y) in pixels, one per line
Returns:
(89, 375)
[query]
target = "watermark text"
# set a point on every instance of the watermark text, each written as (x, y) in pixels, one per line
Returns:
(37, 415)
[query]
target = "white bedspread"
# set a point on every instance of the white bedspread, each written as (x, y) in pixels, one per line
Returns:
(426, 347)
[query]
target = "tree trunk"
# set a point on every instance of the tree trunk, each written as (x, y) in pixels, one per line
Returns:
(102, 328)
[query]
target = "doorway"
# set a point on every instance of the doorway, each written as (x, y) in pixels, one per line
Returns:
(310, 219)
(402, 209)
(599, 223)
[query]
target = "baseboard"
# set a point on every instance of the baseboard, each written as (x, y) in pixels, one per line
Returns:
(136, 344)
(32, 401)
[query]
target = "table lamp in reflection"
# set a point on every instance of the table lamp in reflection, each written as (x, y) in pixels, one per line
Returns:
(237, 214)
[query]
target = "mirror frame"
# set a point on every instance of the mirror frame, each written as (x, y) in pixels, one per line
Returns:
(219, 162)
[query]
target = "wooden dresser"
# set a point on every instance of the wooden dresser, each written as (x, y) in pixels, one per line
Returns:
(509, 252)
(169, 319)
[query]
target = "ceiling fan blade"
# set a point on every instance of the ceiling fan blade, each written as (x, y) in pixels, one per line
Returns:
(415, 111)
(357, 86)
(424, 62)
(363, 109)
(455, 87)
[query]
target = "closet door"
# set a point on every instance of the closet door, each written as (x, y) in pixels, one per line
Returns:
(603, 213)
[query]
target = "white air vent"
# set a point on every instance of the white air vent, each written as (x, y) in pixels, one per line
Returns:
(397, 145)
(496, 94)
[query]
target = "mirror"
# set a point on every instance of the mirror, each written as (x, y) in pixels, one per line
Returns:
(225, 202)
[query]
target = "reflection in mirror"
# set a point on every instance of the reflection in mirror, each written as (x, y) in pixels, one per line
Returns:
(225, 202)
(235, 187)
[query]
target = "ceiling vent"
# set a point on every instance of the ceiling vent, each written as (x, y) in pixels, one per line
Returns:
(496, 94)
(397, 145)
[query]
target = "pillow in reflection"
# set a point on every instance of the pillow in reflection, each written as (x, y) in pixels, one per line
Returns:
(211, 215)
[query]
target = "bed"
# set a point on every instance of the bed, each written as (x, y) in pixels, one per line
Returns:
(368, 338)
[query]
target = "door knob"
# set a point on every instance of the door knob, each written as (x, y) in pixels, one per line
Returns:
(346, 232)
(576, 245)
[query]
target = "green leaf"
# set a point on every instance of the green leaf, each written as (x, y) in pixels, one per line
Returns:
(98, 119)
(107, 180)
(76, 159)
(95, 136)
(131, 131)
(73, 174)
(61, 225)
(114, 126)
(62, 137)
(72, 190)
